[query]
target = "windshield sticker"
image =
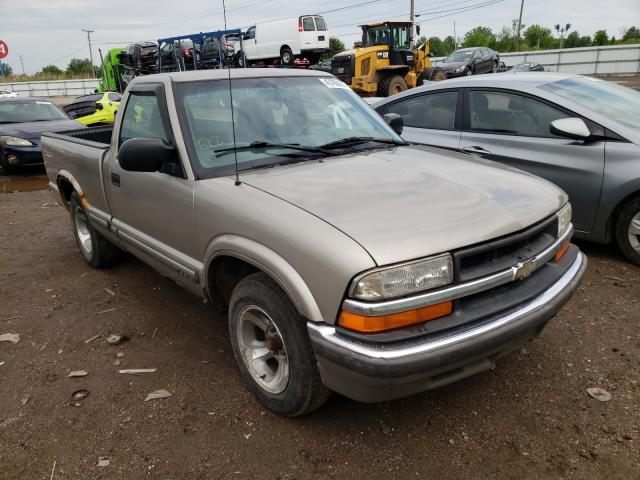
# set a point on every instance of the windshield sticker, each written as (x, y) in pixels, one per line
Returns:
(334, 83)
(42, 103)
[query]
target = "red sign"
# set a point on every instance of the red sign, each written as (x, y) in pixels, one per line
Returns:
(4, 50)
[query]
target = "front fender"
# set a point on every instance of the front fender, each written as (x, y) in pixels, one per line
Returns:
(270, 263)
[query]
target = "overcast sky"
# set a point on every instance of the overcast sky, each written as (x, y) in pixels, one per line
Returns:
(49, 31)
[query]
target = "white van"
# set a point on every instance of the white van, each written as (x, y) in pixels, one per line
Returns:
(287, 39)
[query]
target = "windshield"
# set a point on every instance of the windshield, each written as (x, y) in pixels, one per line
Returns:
(459, 57)
(376, 36)
(606, 98)
(307, 112)
(29, 111)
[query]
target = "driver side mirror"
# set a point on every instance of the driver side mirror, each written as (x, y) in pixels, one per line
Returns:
(146, 154)
(395, 122)
(573, 128)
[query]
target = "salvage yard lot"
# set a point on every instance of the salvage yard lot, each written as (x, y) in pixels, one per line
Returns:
(531, 416)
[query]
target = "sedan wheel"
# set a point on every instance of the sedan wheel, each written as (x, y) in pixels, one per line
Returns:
(627, 231)
(634, 233)
(469, 72)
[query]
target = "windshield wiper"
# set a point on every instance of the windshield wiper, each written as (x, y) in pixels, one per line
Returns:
(262, 144)
(344, 142)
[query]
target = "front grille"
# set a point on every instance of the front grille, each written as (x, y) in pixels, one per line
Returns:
(491, 257)
(343, 67)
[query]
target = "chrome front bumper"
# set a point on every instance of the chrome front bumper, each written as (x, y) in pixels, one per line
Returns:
(377, 372)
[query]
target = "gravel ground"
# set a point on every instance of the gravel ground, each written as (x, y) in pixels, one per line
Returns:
(531, 417)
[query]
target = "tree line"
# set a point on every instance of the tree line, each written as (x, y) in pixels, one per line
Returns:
(533, 37)
(77, 68)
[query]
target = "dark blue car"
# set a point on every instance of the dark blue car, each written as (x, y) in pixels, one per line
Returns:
(22, 121)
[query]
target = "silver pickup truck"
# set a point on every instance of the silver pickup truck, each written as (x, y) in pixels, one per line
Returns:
(347, 259)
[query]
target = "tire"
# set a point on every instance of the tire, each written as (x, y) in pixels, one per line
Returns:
(283, 374)
(438, 75)
(286, 56)
(469, 72)
(390, 85)
(494, 69)
(241, 60)
(5, 168)
(627, 231)
(95, 249)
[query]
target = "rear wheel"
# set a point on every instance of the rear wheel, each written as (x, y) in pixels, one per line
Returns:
(272, 348)
(286, 56)
(390, 85)
(95, 249)
(627, 230)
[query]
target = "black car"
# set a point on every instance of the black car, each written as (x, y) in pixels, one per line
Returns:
(470, 61)
(324, 65)
(527, 67)
(142, 56)
(22, 121)
(180, 55)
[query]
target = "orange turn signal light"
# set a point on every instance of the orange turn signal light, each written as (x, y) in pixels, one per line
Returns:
(560, 253)
(364, 324)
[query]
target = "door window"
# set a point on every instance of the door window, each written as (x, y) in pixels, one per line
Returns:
(307, 24)
(436, 110)
(321, 25)
(142, 118)
(497, 112)
(250, 33)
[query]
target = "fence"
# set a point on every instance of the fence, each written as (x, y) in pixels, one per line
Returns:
(607, 60)
(53, 88)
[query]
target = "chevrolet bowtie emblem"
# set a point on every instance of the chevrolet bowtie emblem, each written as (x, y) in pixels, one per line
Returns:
(524, 269)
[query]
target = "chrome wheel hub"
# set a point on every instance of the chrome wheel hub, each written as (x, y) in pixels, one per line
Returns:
(634, 232)
(83, 233)
(262, 349)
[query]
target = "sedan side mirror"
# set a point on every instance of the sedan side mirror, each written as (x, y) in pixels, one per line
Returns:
(573, 128)
(395, 122)
(146, 154)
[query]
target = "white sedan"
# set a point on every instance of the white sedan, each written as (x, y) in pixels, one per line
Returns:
(7, 94)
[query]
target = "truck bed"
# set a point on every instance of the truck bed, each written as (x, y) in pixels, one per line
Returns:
(77, 156)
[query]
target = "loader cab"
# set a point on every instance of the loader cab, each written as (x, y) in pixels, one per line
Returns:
(394, 35)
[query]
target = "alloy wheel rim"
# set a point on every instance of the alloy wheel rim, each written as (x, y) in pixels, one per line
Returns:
(286, 57)
(634, 232)
(83, 233)
(262, 349)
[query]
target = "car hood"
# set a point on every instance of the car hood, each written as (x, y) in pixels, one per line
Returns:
(452, 65)
(409, 202)
(34, 130)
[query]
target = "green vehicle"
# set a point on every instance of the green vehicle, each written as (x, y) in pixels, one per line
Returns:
(111, 72)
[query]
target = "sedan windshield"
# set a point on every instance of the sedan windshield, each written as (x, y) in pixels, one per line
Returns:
(29, 111)
(275, 120)
(459, 57)
(606, 98)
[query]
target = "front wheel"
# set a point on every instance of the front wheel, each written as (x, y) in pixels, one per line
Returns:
(627, 230)
(272, 348)
(95, 249)
(469, 72)
(494, 69)
(391, 85)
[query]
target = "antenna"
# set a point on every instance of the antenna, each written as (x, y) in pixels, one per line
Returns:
(233, 122)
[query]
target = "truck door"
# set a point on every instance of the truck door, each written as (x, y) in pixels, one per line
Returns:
(153, 211)
(308, 34)
(250, 43)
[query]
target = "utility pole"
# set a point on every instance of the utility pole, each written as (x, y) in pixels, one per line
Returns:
(455, 36)
(519, 26)
(89, 32)
(412, 17)
(22, 63)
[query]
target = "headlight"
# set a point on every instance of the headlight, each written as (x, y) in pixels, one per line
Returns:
(564, 219)
(460, 69)
(404, 279)
(14, 141)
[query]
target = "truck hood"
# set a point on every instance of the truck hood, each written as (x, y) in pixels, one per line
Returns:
(33, 130)
(404, 203)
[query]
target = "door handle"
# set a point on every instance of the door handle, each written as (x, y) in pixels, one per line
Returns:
(474, 149)
(115, 179)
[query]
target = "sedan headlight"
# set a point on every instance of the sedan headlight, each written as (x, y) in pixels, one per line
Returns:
(404, 279)
(14, 141)
(564, 219)
(460, 69)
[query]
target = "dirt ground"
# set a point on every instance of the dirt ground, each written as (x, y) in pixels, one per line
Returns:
(531, 417)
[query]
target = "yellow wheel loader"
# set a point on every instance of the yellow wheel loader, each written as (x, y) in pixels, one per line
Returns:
(384, 64)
